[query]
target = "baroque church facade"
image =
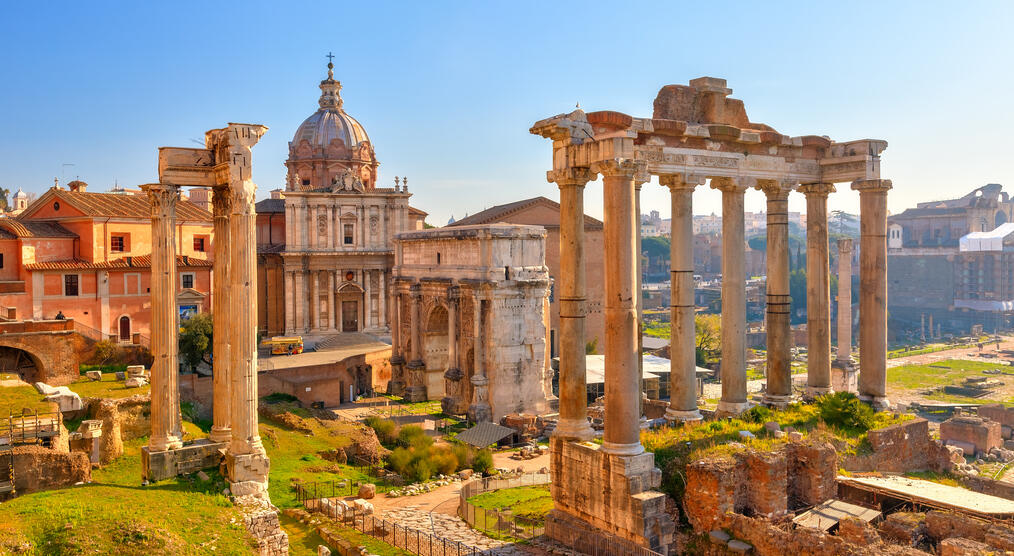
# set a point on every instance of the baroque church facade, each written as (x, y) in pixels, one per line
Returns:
(326, 242)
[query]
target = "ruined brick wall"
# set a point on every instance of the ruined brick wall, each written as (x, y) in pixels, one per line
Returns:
(711, 492)
(262, 523)
(766, 482)
(967, 431)
(899, 448)
(37, 468)
(812, 472)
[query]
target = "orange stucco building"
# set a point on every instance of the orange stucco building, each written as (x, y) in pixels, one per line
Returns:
(87, 256)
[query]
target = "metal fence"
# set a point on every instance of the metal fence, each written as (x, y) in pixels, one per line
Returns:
(324, 498)
(498, 523)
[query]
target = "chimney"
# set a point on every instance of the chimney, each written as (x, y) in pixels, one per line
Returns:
(78, 186)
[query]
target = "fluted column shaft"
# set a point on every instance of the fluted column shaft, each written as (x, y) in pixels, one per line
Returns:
(452, 332)
(290, 297)
(331, 308)
(818, 290)
(682, 343)
(314, 300)
(416, 390)
(573, 422)
(166, 426)
(623, 382)
(733, 297)
(779, 301)
(243, 331)
(480, 410)
(873, 289)
(221, 430)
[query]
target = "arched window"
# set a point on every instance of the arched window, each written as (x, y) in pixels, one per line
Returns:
(124, 328)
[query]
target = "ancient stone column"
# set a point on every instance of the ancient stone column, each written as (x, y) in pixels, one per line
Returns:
(166, 426)
(221, 408)
(416, 391)
(246, 462)
(845, 300)
(779, 331)
(922, 327)
(290, 296)
(331, 309)
(873, 289)
(623, 382)
(314, 300)
(733, 368)
(480, 411)
(682, 344)
(932, 334)
(397, 385)
(573, 421)
(818, 290)
(368, 299)
(451, 403)
(382, 312)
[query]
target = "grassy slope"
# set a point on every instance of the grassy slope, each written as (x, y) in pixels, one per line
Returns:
(114, 514)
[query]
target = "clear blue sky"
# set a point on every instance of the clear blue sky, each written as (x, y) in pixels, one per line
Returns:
(447, 91)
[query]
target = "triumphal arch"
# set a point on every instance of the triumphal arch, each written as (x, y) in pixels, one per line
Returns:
(696, 135)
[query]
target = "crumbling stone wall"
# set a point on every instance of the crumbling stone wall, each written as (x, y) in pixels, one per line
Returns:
(973, 434)
(759, 483)
(37, 468)
(122, 419)
(899, 448)
(261, 521)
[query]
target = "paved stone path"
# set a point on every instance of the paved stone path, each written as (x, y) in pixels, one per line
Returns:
(454, 528)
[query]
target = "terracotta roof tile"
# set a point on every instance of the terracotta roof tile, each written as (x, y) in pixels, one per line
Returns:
(34, 228)
(499, 212)
(126, 206)
(141, 262)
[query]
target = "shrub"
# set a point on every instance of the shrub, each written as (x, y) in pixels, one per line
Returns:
(413, 435)
(843, 410)
(399, 460)
(483, 461)
(385, 429)
(461, 453)
(758, 414)
(106, 351)
(444, 460)
(422, 469)
(279, 397)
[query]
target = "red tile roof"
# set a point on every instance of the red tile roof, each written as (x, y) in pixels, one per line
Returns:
(496, 214)
(115, 205)
(143, 261)
(32, 228)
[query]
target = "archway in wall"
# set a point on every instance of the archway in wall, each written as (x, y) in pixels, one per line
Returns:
(20, 363)
(124, 328)
(348, 304)
(435, 342)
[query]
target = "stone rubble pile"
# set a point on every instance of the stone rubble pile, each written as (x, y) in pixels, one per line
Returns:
(422, 488)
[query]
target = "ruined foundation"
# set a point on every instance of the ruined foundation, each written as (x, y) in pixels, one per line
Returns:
(191, 458)
(604, 499)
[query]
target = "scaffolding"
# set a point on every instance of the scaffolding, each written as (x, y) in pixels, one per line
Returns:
(27, 427)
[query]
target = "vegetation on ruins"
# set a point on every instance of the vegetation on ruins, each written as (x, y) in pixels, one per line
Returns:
(530, 502)
(416, 457)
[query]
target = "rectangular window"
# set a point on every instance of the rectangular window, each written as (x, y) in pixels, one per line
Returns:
(116, 244)
(187, 280)
(1, 260)
(348, 234)
(70, 284)
(199, 244)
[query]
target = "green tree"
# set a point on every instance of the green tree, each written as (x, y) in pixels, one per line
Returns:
(195, 340)
(5, 203)
(655, 246)
(707, 336)
(797, 290)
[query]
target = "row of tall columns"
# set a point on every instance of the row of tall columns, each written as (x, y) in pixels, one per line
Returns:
(166, 422)
(682, 345)
(873, 289)
(308, 235)
(221, 429)
(303, 314)
(733, 366)
(779, 301)
(818, 290)
(623, 381)
(573, 420)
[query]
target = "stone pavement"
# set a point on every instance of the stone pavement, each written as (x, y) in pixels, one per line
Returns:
(453, 528)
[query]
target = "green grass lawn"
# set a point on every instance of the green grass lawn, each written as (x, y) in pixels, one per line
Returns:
(108, 387)
(15, 398)
(532, 502)
(940, 373)
(115, 514)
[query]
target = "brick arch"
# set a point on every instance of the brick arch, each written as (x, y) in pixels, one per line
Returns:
(53, 355)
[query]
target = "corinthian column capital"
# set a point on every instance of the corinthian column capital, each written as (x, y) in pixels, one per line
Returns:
(871, 186)
(243, 197)
(164, 198)
(570, 176)
(816, 189)
(775, 190)
(681, 181)
(620, 167)
(732, 185)
(221, 202)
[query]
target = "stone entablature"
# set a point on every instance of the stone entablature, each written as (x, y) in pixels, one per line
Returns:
(471, 313)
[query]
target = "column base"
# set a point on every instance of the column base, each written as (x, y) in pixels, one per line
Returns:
(814, 392)
(480, 413)
(880, 403)
(726, 409)
(247, 474)
(415, 394)
(776, 401)
(164, 443)
(396, 387)
(574, 429)
(627, 449)
(682, 416)
(223, 434)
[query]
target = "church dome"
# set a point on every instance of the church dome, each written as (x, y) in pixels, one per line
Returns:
(330, 121)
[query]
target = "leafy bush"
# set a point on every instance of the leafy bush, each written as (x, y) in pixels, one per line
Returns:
(758, 414)
(399, 460)
(385, 429)
(413, 436)
(482, 462)
(843, 410)
(444, 460)
(279, 397)
(462, 454)
(106, 351)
